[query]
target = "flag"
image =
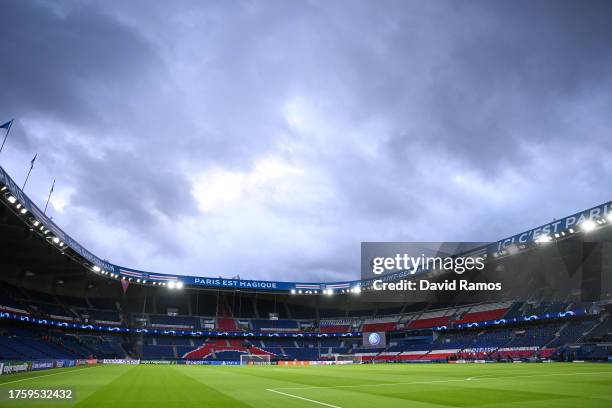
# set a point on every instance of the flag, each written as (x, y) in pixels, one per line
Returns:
(33, 160)
(124, 285)
(7, 125)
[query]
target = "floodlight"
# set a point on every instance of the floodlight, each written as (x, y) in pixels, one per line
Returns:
(23, 211)
(609, 216)
(543, 239)
(12, 199)
(171, 284)
(36, 223)
(179, 285)
(293, 291)
(588, 225)
(56, 240)
(96, 268)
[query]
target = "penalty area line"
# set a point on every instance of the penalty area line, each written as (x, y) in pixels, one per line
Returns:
(302, 398)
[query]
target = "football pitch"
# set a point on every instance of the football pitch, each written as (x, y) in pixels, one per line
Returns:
(371, 386)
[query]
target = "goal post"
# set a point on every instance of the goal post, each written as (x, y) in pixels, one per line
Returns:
(255, 359)
(348, 359)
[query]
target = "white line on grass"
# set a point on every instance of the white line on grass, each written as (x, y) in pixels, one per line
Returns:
(302, 398)
(435, 381)
(41, 376)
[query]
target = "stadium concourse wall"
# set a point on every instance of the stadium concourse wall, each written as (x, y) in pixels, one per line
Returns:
(109, 269)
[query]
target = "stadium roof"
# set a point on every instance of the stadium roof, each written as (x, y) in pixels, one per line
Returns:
(24, 207)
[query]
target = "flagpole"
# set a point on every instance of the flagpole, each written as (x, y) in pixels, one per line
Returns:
(27, 177)
(29, 171)
(6, 135)
(49, 198)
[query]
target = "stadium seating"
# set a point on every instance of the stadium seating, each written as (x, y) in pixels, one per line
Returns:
(410, 335)
(271, 325)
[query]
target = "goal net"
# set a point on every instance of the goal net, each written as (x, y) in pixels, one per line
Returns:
(348, 359)
(254, 359)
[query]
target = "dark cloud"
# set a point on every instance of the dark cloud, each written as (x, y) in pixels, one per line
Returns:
(268, 139)
(63, 61)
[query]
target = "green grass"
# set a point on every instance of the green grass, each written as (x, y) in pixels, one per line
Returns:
(371, 386)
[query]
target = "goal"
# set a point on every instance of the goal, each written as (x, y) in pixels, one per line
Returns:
(348, 359)
(254, 359)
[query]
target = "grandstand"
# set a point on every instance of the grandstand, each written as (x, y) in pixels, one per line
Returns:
(62, 306)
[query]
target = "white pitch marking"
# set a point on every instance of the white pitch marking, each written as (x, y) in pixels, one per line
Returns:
(302, 398)
(41, 376)
(440, 381)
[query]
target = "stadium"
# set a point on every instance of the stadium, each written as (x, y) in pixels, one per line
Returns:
(116, 335)
(302, 204)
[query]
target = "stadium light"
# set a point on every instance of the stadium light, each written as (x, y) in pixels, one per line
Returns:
(587, 225)
(609, 216)
(96, 268)
(543, 239)
(293, 291)
(179, 285)
(12, 199)
(171, 285)
(36, 223)
(3, 188)
(23, 211)
(56, 240)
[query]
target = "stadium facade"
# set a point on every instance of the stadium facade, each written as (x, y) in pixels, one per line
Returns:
(60, 304)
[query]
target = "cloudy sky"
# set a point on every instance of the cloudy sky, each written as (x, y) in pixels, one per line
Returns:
(268, 139)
